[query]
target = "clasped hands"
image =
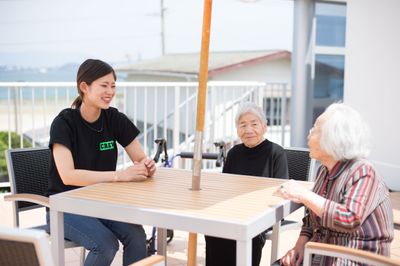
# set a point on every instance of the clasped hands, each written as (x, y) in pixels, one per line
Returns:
(139, 171)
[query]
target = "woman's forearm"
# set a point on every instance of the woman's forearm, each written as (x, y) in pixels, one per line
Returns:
(313, 201)
(79, 177)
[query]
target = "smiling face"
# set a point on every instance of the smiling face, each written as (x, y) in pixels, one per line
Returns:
(100, 93)
(251, 130)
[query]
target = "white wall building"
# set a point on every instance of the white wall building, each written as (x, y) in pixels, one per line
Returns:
(371, 74)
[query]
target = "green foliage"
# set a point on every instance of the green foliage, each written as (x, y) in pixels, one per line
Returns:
(15, 143)
(4, 190)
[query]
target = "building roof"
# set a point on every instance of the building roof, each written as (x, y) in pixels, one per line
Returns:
(188, 64)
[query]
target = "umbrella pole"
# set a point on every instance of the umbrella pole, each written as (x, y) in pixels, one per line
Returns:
(201, 107)
(201, 95)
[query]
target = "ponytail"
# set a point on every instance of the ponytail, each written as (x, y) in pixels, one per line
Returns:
(76, 104)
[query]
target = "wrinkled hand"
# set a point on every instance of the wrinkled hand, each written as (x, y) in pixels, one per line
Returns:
(293, 257)
(137, 172)
(291, 190)
(150, 165)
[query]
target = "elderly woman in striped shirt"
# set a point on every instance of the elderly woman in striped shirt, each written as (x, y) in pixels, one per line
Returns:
(349, 204)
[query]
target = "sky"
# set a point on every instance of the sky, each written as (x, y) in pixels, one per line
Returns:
(46, 33)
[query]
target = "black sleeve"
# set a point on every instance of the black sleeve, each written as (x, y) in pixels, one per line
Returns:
(61, 133)
(127, 131)
(280, 168)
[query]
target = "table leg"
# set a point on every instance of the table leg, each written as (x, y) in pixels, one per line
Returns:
(243, 252)
(162, 242)
(275, 241)
(57, 236)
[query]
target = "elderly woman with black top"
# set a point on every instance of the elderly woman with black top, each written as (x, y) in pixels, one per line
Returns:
(255, 156)
(349, 204)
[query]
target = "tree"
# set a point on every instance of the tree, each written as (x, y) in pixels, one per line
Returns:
(15, 143)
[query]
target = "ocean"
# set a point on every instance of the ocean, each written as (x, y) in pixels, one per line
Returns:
(13, 74)
(66, 73)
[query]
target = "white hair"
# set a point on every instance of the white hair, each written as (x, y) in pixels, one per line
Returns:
(344, 134)
(252, 108)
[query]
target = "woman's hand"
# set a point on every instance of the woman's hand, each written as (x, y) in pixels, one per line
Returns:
(137, 172)
(291, 190)
(150, 165)
(293, 257)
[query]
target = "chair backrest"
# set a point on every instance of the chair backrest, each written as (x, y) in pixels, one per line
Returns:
(347, 253)
(24, 247)
(300, 165)
(28, 171)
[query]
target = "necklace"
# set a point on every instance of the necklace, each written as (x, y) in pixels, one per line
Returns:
(92, 128)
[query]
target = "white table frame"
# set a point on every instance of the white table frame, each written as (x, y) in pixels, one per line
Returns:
(185, 220)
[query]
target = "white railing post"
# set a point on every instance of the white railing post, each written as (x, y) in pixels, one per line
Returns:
(33, 117)
(283, 113)
(20, 130)
(155, 117)
(176, 120)
(145, 121)
(9, 117)
(165, 131)
(187, 118)
(260, 92)
(212, 114)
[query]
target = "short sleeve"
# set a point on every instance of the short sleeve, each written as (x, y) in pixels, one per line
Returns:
(127, 131)
(61, 133)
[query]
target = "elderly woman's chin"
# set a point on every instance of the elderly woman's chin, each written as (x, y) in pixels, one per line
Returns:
(251, 143)
(313, 153)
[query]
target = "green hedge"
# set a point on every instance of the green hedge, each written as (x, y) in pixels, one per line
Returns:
(15, 143)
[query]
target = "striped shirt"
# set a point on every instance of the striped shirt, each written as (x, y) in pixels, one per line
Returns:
(357, 213)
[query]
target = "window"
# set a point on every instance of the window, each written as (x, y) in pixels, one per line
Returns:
(331, 24)
(329, 74)
(329, 55)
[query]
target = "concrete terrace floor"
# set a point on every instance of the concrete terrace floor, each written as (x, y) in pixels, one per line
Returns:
(177, 248)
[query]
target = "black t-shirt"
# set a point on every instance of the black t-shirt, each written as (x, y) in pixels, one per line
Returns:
(93, 145)
(266, 159)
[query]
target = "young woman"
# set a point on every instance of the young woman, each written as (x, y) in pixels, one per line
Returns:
(83, 141)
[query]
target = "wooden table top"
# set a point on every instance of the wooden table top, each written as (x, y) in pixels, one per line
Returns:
(222, 196)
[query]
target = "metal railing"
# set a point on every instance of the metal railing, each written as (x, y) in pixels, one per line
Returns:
(159, 109)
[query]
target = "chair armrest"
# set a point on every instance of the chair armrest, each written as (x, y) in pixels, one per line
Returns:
(41, 200)
(346, 253)
(154, 260)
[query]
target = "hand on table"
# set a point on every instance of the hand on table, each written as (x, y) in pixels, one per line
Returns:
(137, 172)
(150, 165)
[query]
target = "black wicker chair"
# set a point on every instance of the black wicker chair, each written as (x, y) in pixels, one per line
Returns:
(301, 167)
(28, 171)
